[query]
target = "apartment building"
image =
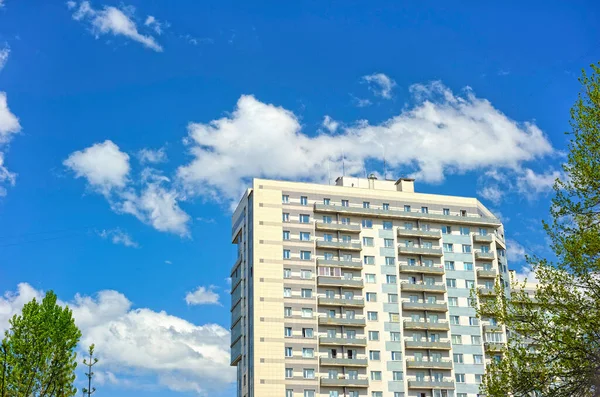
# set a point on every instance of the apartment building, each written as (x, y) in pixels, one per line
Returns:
(362, 288)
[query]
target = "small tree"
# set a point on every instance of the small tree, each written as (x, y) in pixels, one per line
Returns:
(90, 363)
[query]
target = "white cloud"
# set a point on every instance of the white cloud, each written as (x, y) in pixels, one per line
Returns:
(141, 346)
(4, 53)
(531, 184)
(203, 296)
(492, 193)
(526, 273)
(112, 20)
(9, 126)
(154, 24)
(104, 166)
(117, 236)
(107, 169)
(380, 84)
(152, 156)
(441, 134)
(360, 102)
(168, 262)
(330, 124)
(515, 252)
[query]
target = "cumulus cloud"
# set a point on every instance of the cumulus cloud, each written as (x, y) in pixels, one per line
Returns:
(141, 346)
(203, 296)
(531, 184)
(9, 126)
(380, 84)
(515, 251)
(492, 193)
(330, 124)
(442, 133)
(115, 21)
(152, 156)
(117, 236)
(107, 170)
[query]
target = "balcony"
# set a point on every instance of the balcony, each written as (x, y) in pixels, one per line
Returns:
(339, 245)
(492, 328)
(428, 364)
(425, 344)
(434, 251)
(432, 326)
(337, 227)
(354, 302)
(341, 264)
(343, 362)
(432, 307)
(486, 273)
(484, 256)
(493, 347)
(325, 281)
(430, 384)
(487, 291)
(427, 234)
(480, 238)
(326, 341)
(422, 269)
(422, 287)
(348, 322)
(345, 382)
(395, 214)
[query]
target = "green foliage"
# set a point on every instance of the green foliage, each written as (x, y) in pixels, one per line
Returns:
(90, 363)
(38, 356)
(554, 344)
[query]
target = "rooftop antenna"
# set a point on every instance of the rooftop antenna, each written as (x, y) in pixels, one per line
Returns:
(329, 169)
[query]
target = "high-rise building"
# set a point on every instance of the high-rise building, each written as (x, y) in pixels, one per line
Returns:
(362, 288)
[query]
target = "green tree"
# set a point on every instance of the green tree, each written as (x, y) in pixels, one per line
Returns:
(38, 355)
(554, 344)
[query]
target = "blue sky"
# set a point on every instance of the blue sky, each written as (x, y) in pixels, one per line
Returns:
(130, 129)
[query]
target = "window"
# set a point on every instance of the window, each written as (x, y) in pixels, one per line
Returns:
(451, 283)
(373, 335)
(286, 234)
(368, 241)
(446, 230)
(424, 210)
(475, 340)
(374, 355)
(326, 201)
(369, 260)
(352, 394)
(394, 336)
(308, 352)
(288, 352)
(449, 265)
(289, 372)
(448, 247)
(461, 394)
(457, 339)
(468, 265)
(387, 225)
(388, 242)
(375, 375)
(428, 262)
(446, 211)
(287, 292)
(396, 356)
(286, 254)
(306, 274)
(411, 261)
(385, 206)
(372, 316)
(390, 261)
(394, 317)
(427, 244)
(465, 231)
(285, 217)
(367, 223)
(304, 236)
(345, 221)
(303, 200)
(305, 255)
(370, 278)
(477, 359)
(463, 213)
(328, 256)
(377, 394)
(478, 378)
(371, 297)
(455, 320)
(303, 218)
(287, 273)
(458, 358)
(390, 279)
(407, 208)
(307, 332)
(307, 312)
(345, 203)
(326, 219)
(485, 249)
(289, 393)
(309, 393)
(452, 301)
(334, 393)
(306, 293)
(285, 198)
(473, 321)
(309, 373)
(460, 378)
(392, 298)
(366, 204)
(466, 248)
(408, 226)
(287, 331)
